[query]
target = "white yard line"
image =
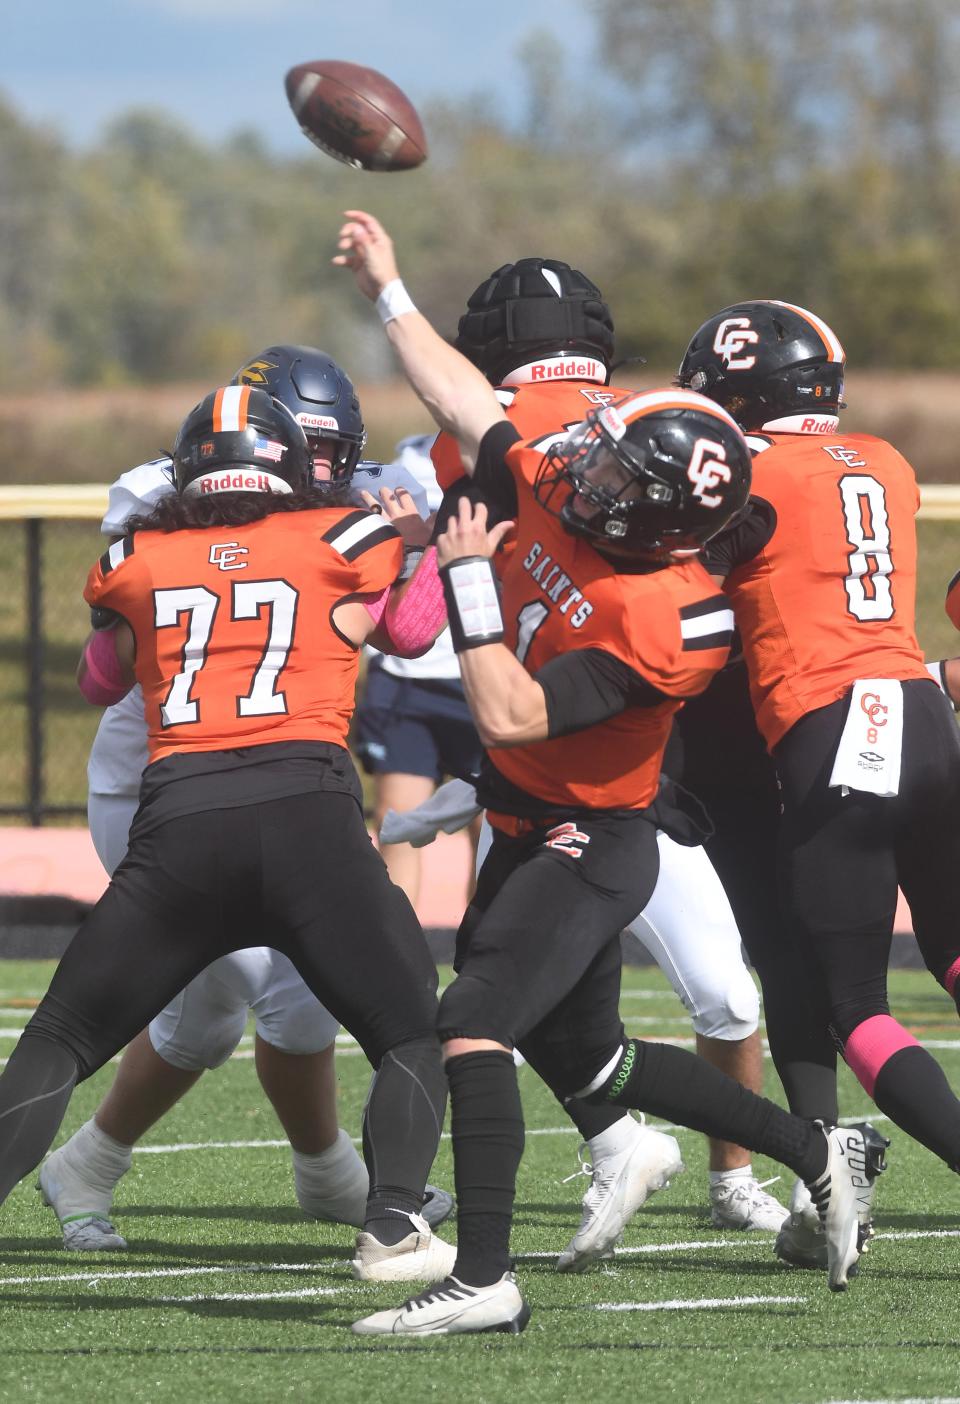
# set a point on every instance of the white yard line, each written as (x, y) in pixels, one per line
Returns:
(253, 1296)
(93, 1276)
(697, 1304)
(176, 1146)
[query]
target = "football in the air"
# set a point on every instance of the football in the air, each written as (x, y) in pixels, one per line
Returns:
(356, 115)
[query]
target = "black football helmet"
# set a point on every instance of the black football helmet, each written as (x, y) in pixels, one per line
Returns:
(532, 311)
(239, 439)
(772, 365)
(649, 478)
(318, 393)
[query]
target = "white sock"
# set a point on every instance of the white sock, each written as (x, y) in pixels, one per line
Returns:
(617, 1138)
(321, 1162)
(742, 1172)
(92, 1163)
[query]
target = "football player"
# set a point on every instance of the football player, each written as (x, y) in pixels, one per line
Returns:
(239, 605)
(541, 332)
(202, 1026)
(822, 578)
(574, 714)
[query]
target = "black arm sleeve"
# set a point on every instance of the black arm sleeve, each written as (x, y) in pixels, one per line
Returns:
(589, 686)
(738, 544)
(492, 482)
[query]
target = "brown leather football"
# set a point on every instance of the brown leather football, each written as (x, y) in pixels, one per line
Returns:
(356, 115)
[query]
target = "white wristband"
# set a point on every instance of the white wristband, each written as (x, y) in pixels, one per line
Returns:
(394, 301)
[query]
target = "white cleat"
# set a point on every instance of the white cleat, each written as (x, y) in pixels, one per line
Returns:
(420, 1257)
(841, 1195)
(743, 1203)
(452, 1308)
(87, 1229)
(619, 1186)
(801, 1241)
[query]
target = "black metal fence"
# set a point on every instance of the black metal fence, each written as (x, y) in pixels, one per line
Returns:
(46, 728)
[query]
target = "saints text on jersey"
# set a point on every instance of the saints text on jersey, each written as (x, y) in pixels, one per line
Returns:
(556, 584)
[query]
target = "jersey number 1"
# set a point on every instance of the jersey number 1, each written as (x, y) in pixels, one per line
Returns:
(869, 595)
(248, 599)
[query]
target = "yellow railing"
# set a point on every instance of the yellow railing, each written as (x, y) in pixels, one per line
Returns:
(88, 501)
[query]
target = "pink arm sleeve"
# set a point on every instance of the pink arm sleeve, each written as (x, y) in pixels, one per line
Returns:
(103, 681)
(413, 622)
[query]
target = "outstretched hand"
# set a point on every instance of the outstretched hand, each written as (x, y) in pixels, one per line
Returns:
(366, 248)
(401, 512)
(466, 534)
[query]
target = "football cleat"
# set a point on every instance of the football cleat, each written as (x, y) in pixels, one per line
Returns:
(841, 1195)
(438, 1205)
(743, 1203)
(420, 1257)
(85, 1230)
(619, 1185)
(801, 1241)
(452, 1308)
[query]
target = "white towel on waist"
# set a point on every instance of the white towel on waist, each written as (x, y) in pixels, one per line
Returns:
(450, 808)
(868, 757)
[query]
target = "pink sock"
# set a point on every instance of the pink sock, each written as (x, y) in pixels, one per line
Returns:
(872, 1044)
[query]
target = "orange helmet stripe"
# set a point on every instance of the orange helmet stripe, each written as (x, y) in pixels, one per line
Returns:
(230, 409)
(651, 401)
(830, 339)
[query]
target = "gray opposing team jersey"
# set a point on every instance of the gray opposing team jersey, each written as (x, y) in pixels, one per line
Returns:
(119, 753)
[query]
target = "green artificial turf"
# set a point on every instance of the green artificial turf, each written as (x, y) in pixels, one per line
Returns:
(193, 1335)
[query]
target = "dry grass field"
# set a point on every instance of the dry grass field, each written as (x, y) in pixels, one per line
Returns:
(86, 436)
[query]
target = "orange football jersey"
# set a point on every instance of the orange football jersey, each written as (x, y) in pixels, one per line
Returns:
(541, 412)
(672, 626)
(235, 642)
(952, 604)
(831, 597)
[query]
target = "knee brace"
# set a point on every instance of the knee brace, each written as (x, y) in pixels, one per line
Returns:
(732, 1010)
(181, 1037)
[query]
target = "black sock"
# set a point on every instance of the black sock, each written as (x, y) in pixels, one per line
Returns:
(591, 1120)
(487, 1122)
(35, 1088)
(401, 1131)
(679, 1086)
(912, 1090)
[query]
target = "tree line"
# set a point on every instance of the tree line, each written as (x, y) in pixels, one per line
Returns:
(707, 151)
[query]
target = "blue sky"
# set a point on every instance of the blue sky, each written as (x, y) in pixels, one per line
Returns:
(219, 64)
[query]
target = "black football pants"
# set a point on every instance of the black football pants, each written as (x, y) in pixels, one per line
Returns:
(200, 886)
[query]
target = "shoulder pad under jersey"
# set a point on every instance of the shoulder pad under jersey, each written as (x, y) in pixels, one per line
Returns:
(137, 491)
(371, 477)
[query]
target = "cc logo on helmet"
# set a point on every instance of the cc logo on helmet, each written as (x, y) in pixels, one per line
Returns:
(708, 469)
(733, 334)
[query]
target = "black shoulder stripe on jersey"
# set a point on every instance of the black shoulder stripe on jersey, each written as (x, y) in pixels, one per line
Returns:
(383, 533)
(116, 553)
(358, 532)
(708, 606)
(953, 582)
(344, 524)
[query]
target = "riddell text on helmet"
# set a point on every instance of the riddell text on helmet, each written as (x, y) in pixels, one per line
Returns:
(566, 370)
(229, 482)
